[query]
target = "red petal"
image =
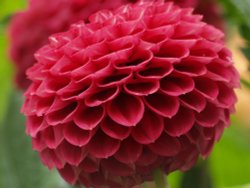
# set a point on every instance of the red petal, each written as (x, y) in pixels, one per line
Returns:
(226, 97)
(51, 159)
(71, 154)
(157, 68)
(102, 146)
(52, 136)
(129, 151)
(63, 115)
(114, 130)
(87, 118)
(147, 157)
(75, 135)
(194, 101)
(126, 110)
(102, 96)
(142, 87)
(166, 146)
(181, 123)
(176, 85)
(117, 168)
(210, 116)
(149, 128)
(69, 174)
(162, 104)
(207, 88)
(90, 165)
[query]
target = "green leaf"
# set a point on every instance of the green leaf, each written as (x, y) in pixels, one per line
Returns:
(230, 160)
(7, 7)
(20, 166)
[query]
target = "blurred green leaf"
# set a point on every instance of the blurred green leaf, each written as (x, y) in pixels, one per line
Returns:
(230, 160)
(20, 166)
(7, 7)
(245, 83)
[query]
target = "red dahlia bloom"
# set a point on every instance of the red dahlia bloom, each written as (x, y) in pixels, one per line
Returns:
(146, 86)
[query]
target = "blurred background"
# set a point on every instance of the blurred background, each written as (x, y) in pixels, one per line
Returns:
(227, 167)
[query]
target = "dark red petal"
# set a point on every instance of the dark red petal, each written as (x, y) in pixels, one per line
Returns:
(69, 174)
(147, 157)
(103, 146)
(102, 95)
(162, 104)
(51, 159)
(142, 87)
(149, 128)
(114, 130)
(207, 88)
(194, 101)
(52, 136)
(226, 97)
(126, 110)
(63, 115)
(176, 85)
(75, 135)
(90, 165)
(129, 151)
(34, 125)
(117, 168)
(87, 118)
(181, 123)
(166, 146)
(157, 68)
(71, 154)
(209, 116)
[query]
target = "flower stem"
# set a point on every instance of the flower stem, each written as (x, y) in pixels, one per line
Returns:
(160, 179)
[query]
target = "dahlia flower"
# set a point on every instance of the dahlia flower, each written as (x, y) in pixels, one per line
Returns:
(30, 29)
(146, 86)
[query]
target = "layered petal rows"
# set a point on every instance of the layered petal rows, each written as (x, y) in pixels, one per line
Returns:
(29, 30)
(146, 86)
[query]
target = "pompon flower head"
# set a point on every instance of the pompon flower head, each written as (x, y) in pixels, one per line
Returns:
(30, 29)
(143, 87)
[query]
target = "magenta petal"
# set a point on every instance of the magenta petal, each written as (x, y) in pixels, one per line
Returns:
(181, 123)
(90, 165)
(176, 85)
(207, 88)
(87, 118)
(149, 128)
(147, 157)
(102, 95)
(52, 136)
(63, 115)
(34, 125)
(190, 68)
(209, 116)
(143, 87)
(51, 159)
(226, 97)
(76, 136)
(38, 143)
(129, 151)
(69, 174)
(114, 130)
(157, 68)
(117, 168)
(126, 110)
(194, 101)
(71, 154)
(103, 146)
(162, 104)
(166, 146)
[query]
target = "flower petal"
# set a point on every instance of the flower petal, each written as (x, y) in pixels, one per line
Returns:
(126, 110)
